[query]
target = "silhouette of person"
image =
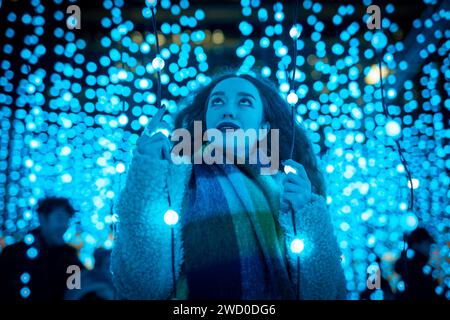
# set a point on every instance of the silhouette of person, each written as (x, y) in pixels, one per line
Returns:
(418, 284)
(36, 269)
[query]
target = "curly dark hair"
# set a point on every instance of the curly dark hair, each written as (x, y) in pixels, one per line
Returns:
(276, 112)
(47, 205)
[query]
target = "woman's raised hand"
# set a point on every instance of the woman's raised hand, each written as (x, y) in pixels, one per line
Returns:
(153, 143)
(296, 187)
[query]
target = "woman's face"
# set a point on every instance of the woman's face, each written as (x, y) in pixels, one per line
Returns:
(234, 103)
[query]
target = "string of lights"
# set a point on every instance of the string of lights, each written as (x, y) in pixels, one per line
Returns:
(292, 100)
(170, 217)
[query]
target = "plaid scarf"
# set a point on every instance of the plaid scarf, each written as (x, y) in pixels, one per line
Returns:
(233, 245)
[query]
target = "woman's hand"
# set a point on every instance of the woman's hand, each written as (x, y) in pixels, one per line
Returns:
(296, 188)
(156, 146)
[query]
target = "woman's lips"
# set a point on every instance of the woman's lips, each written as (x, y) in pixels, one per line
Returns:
(227, 126)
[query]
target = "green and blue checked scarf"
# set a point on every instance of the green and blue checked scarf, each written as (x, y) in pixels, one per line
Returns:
(233, 245)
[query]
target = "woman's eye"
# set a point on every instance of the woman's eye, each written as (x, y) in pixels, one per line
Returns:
(216, 101)
(246, 101)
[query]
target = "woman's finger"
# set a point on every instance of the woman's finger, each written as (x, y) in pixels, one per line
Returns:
(296, 199)
(159, 114)
(296, 179)
(155, 122)
(154, 145)
(146, 140)
(301, 172)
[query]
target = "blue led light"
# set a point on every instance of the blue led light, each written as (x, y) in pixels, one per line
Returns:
(32, 253)
(297, 246)
(25, 292)
(245, 28)
(171, 217)
(25, 277)
(379, 40)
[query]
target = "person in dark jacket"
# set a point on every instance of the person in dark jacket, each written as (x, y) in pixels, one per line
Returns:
(418, 284)
(36, 268)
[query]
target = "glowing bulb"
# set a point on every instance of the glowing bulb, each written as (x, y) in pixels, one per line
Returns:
(401, 286)
(32, 253)
(415, 184)
(25, 277)
(29, 239)
(284, 87)
(295, 31)
(143, 83)
(29, 163)
(288, 169)
(151, 3)
(66, 178)
(123, 119)
(171, 217)
(122, 74)
(65, 151)
(292, 98)
(31, 88)
(158, 63)
(411, 221)
(392, 128)
(25, 292)
(282, 51)
(373, 76)
(379, 40)
(35, 144)
(297, 246)
(120, 167)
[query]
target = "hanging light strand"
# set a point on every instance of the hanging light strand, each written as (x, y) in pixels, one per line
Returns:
(295, 245)
(171, 217)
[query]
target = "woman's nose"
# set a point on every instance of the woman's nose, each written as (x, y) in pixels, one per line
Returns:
(229, 112)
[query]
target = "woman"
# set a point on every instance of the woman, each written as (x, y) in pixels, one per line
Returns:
(233, 240)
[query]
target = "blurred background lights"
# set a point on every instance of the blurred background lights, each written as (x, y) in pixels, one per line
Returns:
(25, 292)
(292, 98)
(373, 77)
(32, 253)
(379, 40)
(392, 128)
(158, 63)
(25, 277)
(415, 183)
(295, 31)
(411, 221)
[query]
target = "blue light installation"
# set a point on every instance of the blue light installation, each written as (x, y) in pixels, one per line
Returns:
(70, 118)
(339, 103)
(69, 126)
